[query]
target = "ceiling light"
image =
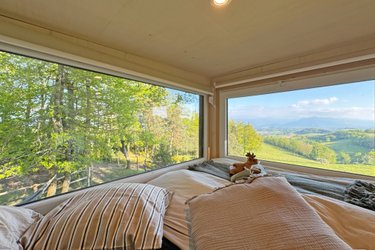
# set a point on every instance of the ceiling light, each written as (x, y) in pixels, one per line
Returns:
(220, 2)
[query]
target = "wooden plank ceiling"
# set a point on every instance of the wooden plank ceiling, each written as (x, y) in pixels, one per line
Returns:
(195, 36)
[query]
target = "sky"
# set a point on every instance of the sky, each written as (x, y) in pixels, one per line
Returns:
(189, 107)
(344, 101)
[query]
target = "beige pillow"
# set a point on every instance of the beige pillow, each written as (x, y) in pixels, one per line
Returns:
(266, 214)
(116, 216)
(14, 221)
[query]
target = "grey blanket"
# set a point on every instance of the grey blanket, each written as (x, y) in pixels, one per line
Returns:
(355, 192)
(214, 168)
(362, 194)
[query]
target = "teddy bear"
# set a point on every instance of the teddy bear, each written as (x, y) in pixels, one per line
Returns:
(238, 167)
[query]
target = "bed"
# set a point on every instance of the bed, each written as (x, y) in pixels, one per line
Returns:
(352, 224)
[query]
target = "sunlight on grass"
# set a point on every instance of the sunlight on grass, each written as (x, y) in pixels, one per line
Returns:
(272, 153)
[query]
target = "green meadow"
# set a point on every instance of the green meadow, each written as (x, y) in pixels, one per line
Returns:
(272, 153)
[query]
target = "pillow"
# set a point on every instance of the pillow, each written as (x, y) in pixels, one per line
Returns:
(265, 214)
(112, 216)
(14, 221)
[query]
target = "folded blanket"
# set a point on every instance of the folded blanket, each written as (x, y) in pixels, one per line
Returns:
(362, 194)
(214, 168)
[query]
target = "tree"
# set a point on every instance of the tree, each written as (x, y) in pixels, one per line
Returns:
(322, 153)
(56, 120)
(369, 158)
(242, 138)
(344, 158)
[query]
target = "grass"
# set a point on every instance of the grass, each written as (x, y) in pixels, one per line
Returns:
(272, 153)
(109, 172)
(346, 146)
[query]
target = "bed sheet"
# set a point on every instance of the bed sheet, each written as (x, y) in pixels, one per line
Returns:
(184, 184)
(353, 224)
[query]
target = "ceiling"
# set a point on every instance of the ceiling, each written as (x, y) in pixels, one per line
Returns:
(195, 36)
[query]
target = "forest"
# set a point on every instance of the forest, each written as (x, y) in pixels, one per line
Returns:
(64, 128)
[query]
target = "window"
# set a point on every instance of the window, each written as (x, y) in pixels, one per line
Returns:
(64, 128)
(326, 127)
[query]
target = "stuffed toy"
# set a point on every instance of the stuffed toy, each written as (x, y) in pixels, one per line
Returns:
(239, 167)
(248, 173)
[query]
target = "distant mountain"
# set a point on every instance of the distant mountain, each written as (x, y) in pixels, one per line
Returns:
(262, 123)
(310, 122)
(329, 123)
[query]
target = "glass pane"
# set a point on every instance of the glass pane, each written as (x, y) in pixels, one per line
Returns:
(63, 128)
(326, 127)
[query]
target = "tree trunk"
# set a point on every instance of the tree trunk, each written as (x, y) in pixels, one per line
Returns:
(89, 175)
(58, 101)
(146, 154)
(51, 191)
(137, 155)
(152, 154)
(125, 153)
(66, 183)
(88, 106)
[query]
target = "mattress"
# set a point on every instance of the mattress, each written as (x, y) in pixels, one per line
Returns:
(354, 225)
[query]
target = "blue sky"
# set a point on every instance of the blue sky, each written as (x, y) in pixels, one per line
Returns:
(345, 101)
(189, 108)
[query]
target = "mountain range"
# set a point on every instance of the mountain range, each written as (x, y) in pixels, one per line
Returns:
(311, 122)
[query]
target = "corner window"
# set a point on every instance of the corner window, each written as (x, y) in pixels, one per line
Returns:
(64, 128)
(326, 127)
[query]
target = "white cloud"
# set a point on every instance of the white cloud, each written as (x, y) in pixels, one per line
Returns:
(256, 112)
(361, 113)
(325, 101)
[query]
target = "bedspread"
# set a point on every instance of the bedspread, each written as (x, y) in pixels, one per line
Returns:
(354, 225)
(267, 213)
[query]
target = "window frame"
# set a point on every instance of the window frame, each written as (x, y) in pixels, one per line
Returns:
(95, 66)
(329, 79)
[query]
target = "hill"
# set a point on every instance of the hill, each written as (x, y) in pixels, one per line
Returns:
(272, 153)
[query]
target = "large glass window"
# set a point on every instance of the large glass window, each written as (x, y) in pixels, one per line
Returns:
(327, 127)
(63, 128)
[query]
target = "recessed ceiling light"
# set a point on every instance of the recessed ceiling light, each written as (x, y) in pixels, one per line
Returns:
(220, 2)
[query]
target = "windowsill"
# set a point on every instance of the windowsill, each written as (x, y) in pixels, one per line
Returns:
(45, 205)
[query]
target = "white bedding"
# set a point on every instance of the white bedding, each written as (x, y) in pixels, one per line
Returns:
(184, 184)
(355, 225)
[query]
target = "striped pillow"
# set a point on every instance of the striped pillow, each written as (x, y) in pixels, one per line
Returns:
(112, 216)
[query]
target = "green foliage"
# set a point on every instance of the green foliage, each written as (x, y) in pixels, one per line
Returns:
(371, 158)
(60, 119)
(308, 149)
(294, 145)
(364, 139)
(242, 138)
(344, 158)
(322, 153)
(163, 156)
